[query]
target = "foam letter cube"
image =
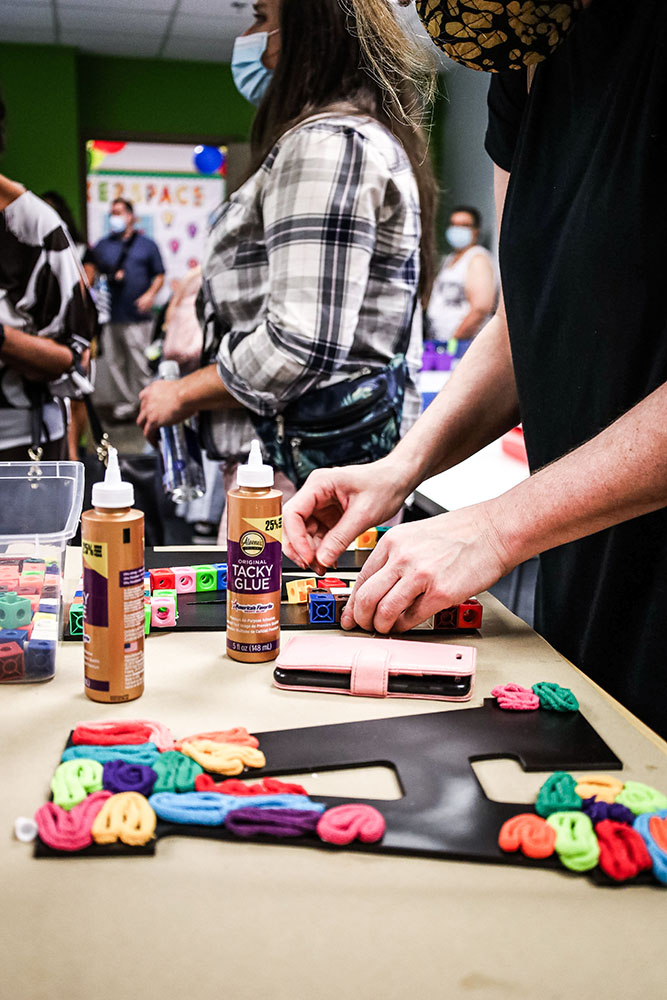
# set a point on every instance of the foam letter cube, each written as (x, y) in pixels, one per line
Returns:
(368, 539)
(40, 662)
(186, 579)
(12, 666)
(76, 619)
(469, 614)
(221, 570)
(162, 579)
(322, 608)
(207, 577)
(163, 611)
(298, 590)
(15, 611)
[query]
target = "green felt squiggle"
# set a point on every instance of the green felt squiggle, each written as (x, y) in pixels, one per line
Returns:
(555, 698)
(641, 798)
(74, 780)
(576, 843)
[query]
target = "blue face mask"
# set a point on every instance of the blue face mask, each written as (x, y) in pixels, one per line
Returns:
(250, 74)
(459, 237)
(117, 223)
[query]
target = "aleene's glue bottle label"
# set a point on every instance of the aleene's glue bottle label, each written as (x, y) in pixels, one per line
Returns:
(254, 563)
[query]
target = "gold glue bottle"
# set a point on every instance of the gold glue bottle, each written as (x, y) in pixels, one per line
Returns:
(112, 538)
(254, 562)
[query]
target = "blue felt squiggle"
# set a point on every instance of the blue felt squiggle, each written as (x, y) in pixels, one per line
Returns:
(658, 856)
(131, 753)
(211, 808)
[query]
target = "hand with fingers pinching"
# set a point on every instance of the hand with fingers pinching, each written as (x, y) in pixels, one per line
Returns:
(334, 506)
(425, 566)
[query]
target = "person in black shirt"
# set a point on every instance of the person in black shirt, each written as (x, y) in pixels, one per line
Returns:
(577, 350)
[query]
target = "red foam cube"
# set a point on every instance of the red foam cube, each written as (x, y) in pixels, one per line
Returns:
(469, 614)
(12, 664)
(162, 579)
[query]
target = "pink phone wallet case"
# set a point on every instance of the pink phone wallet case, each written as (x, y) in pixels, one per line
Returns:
(374, 665)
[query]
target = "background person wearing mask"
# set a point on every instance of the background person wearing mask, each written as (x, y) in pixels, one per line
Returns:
(135, 273)
(577, 351)
(314, 265)
(465, 289)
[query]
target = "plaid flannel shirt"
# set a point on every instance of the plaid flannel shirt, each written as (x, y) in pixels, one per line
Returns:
(311, 271)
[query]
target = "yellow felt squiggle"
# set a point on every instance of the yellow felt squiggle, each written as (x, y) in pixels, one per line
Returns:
(223, 758)
(603, 787)
(127, 817)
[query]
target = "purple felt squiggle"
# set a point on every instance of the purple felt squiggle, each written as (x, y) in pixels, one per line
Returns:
(272, 822)
(119, 776)
(599, 811)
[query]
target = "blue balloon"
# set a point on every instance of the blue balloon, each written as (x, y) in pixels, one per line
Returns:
(207, 159)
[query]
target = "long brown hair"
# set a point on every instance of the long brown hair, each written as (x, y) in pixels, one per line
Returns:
(324, 67)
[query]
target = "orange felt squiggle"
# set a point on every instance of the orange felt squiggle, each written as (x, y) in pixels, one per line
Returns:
(223, 758)
(530, 833)
(237, 735)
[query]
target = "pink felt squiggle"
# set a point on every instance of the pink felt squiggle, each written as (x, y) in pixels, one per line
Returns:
(107, 733)
(69, 831)
(515, 697)
(343, 824)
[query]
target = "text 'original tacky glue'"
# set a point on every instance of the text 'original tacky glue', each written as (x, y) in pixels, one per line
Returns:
(254, 561)
(112, 538)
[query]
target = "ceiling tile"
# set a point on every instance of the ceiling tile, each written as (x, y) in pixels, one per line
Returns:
(195, 26)
(149, 6)
(32, 36)
(34, 16)
(212, 7)
(88, 19)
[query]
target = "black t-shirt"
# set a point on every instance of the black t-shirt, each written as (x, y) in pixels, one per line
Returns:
(582, 255)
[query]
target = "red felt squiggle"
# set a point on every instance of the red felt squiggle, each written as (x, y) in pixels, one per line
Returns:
(69, 831)
(232, 786)
(623, 853)
(110, 733)
(343, 824)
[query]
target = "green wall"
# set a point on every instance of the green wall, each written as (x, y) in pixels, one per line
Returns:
(39, 85)
(56, 98)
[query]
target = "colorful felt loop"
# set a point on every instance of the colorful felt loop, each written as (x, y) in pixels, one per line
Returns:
(653, 830)
(140, 753)
(516, 698)
(115, 732)
(576, 843)
(127, 817)
(601, 787)
(527, 832)
(69, 831)
(121, 777)
(74, 780)
(232, 786)
(641, 798)
(251, 821)
(599, 811)
(175, 772)
(557, 794)
(623, 853)
(343, 824)
(237, 735)
(223, 758)
(555, 698)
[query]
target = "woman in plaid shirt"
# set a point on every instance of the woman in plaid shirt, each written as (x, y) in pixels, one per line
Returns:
(315, 265)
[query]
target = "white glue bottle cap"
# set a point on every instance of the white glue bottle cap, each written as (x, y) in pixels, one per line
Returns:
(113, 492)
(255, 473)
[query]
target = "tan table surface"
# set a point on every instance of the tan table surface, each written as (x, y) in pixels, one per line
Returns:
(217, 921)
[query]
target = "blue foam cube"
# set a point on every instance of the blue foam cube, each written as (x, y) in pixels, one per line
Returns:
(321, 608)
(13, 635)
(40, 659)
(221, 570)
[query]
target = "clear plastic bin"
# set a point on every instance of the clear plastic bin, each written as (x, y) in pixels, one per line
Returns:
(40, 508)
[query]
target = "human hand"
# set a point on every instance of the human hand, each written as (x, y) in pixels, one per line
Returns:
(160, 405)
(426, 566)
(336, 505)
(145, 302)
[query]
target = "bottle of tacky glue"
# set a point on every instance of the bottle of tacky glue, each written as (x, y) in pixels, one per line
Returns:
(112, 537)
(254, 562)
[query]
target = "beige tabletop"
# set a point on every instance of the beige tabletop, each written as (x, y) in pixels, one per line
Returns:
(209, 920)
